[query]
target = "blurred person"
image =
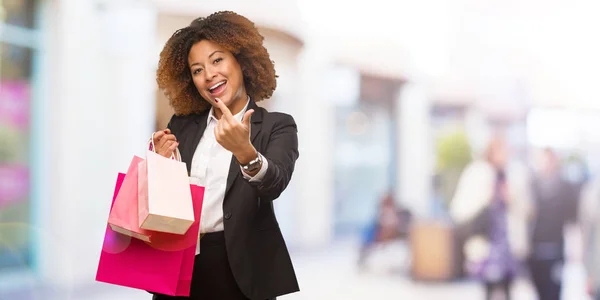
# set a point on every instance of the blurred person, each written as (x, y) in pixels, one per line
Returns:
(589, 217)
(555, 207)
(213, 72)
(390, 223)
(490, 207)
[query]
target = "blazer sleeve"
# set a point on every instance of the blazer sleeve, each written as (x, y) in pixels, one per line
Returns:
(281, 154)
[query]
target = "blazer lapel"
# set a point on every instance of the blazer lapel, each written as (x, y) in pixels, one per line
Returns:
(255, 127)
(255, 121)
(189, 146)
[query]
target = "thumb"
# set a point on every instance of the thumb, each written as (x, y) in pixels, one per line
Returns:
(246, 118)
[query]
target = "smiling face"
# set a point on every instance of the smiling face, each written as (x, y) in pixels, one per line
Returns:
(217, 74)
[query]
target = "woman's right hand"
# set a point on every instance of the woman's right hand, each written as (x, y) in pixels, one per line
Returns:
(165, 143)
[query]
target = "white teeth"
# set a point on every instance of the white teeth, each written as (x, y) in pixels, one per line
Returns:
(216, 85)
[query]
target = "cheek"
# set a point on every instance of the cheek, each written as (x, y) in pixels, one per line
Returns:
(234, 70)
(201, 89)
(197, 84)
(240, 79)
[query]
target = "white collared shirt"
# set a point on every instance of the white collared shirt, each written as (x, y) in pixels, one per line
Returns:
(210, 168)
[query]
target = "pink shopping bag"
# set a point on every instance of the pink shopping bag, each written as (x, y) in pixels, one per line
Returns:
(164, 267)
(123, 217)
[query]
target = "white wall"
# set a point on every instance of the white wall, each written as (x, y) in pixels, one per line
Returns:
(284, 52)
(313, 178)
(415, 162)
(100, 111)
(270, 13)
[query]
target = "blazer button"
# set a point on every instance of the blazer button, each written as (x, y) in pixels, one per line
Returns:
(227, 215)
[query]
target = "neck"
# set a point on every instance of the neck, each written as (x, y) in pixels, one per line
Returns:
(235, 107)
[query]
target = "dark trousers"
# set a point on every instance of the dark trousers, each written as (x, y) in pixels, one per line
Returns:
(545, 275)
(212, 278)
(502, 287)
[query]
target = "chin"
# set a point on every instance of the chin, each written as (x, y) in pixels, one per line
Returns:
(226, 100)
(212, 100)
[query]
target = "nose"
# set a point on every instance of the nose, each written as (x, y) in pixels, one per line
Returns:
(209, 74)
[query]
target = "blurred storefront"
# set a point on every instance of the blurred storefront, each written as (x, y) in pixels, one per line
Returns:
(89, 70)
(366, 147)
(78, 98)
(19, 85)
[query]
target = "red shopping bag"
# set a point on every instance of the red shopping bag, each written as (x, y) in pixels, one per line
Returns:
(123, 217)
(164, 267)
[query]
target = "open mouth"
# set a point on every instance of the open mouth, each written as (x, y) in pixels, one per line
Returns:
(218, 88)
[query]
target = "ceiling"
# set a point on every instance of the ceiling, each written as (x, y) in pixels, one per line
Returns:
(503, 55)
(507, 54)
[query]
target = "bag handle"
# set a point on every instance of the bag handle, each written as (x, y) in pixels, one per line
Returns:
(173, 156)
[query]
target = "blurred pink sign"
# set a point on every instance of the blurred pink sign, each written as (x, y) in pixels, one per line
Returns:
(14, 103)
(14, 184)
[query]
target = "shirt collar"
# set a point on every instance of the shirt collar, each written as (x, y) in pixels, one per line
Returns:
(238, 116)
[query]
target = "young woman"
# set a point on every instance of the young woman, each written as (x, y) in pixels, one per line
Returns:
(213, 72)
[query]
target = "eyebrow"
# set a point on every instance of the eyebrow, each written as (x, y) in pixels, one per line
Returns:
(214, 53)
(197, 63)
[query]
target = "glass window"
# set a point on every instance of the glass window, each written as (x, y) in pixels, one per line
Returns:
(362, 160)
(15, 99)
(18, 12)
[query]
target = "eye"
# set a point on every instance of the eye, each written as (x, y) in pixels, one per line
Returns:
(217, 60)
(197, 71)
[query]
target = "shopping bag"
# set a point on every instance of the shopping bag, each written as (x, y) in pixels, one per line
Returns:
(165, 267)
(123, 217)
(164, 197)
(174, 242)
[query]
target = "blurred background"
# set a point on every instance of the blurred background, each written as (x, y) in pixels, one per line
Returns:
(393, 101)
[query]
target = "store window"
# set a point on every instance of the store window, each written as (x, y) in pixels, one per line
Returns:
(18, 12)
(16, 73)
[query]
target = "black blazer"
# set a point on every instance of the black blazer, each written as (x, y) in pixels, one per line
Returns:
(257, 253)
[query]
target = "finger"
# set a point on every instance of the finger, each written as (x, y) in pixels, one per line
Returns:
(225, 127)
(173, 152)
(246, 118)
(164, 150)
(168, 137)
(219, 129)
(154, 145)
(173, 147)
(164, 139)
(225, 110)
(165, 146)
(223, 131)
(158, 135)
